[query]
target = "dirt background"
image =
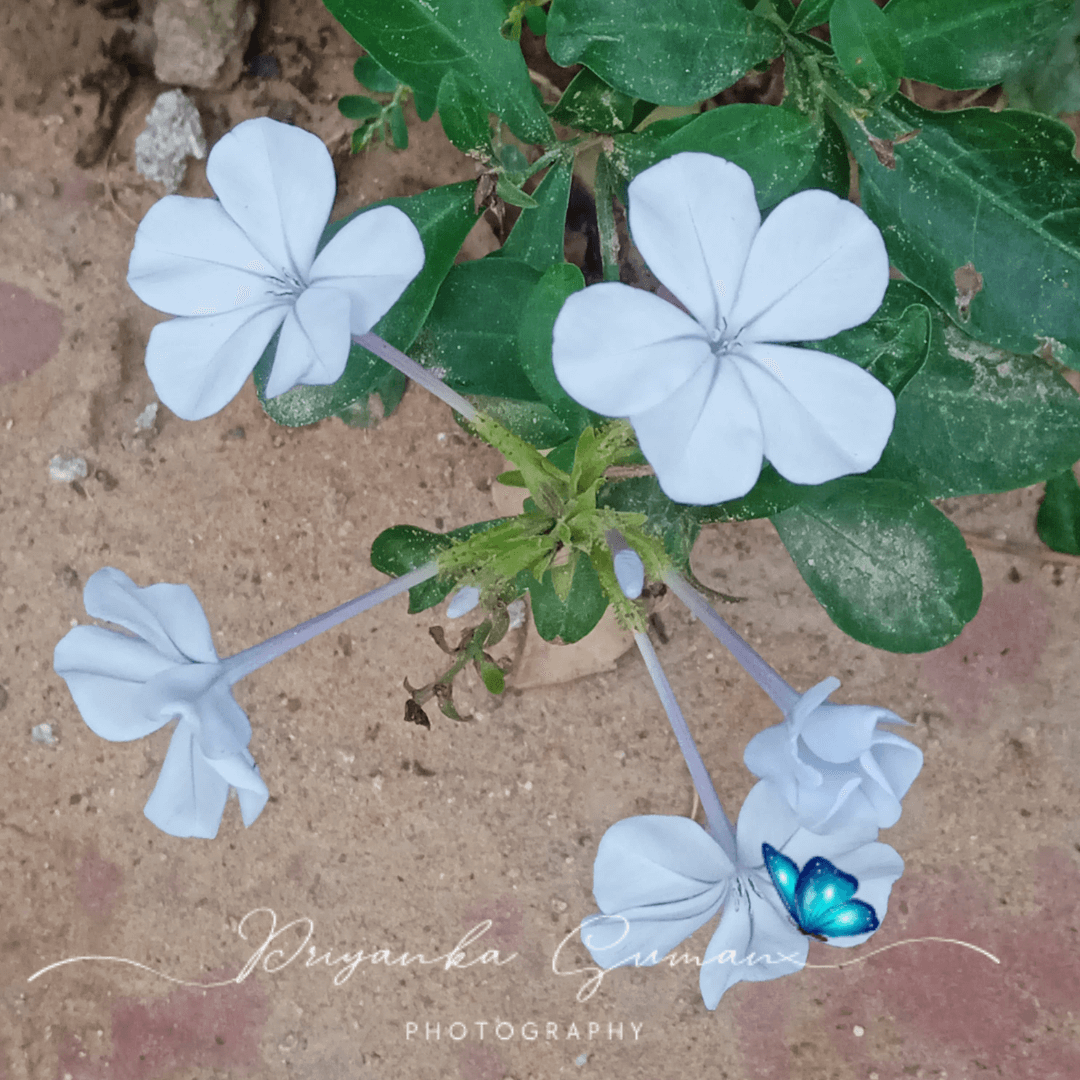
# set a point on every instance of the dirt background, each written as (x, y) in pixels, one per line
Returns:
(385, 835)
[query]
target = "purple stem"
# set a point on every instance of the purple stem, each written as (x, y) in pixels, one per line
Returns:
(768, 679)
(408, 366)
(244, 663)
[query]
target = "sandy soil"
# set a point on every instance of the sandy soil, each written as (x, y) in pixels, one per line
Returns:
(381, 835)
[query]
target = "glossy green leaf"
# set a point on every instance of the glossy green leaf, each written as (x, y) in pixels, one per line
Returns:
(893, 345)
(890, 569)
(810, 13)
(571, 620)
(867, 47)
(399, 131)
(538, 234)
(463, 114)
(589, 104)
(776, 146)
(964, 43)
(982, 211)
(673, 52)
(1049, 82)
(830, 168)
(419, 41)
(471, 333)
(975, 419)
(532, 421)
(359, 108)
(512, 194)
(536, 17)
(401, 548)
(444, 216)
(535, 336)
(1058, 520)
(368, 73)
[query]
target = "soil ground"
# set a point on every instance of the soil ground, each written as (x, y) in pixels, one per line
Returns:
(383, 835)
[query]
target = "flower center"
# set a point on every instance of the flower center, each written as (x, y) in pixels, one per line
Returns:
(285, 284)
(722, 340)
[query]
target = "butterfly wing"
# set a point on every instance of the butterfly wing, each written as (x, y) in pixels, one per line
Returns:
(785, 876)
(824, 904)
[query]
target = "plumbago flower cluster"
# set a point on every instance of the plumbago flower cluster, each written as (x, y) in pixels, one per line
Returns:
(780, 372)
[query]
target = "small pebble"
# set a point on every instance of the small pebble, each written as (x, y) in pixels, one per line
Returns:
(65, 470)
(43, 733)
(145, 420)
(581, 1059)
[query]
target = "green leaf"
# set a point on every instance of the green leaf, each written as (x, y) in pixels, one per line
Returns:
(830, 169)
(893, 344)
(1049, 82)
(419, 41)
(464, 115)
(536, 17)
(810, 13)
(867, 47)
(537, 236)
(398, 129)
(535, 336)
(471, 334)
(589, 104)
(673, 52)
(1058, 520)
(959, 44)
(982, 211)
(402, 548)
(570, 621)
(493, 677)
(359, 108)
(444, 216)
(368, 74)
(385, 396)
(977, 420)
(532, 421)
(890, 569)
(776, 146)
(512, 194)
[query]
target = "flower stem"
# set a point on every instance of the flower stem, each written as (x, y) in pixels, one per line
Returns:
(244, 663)
(719, 827)
(768, 679)
(408, 366)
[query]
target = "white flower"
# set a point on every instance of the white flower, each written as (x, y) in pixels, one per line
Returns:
(833, 763)
(128, 685)
(710, 393)
(239, 267)
(659, 879)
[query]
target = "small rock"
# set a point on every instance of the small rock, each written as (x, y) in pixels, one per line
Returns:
(201, 42)
(145, 420)
(65, 470)
(173, 133)
(43, 733)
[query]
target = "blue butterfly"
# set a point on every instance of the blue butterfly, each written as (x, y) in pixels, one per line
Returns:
(818, 898)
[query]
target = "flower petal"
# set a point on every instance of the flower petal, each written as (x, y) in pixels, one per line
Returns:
(197, 366)
(277, 183)
(105, 672)
(704, 441)
(765, 817)
(189, 797)
(314, 344)
(655, 859)
(753, 943)
(372, 260)
(621, 351)
(822, 416)
(168, 617)
(199, 695)
(693, 217)
(191, 258)
(817, 266)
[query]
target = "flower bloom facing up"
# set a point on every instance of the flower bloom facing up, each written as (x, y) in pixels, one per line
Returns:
(165, 668)
(659, 879)
(833, 763)
(711, 390)
(239, 267)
